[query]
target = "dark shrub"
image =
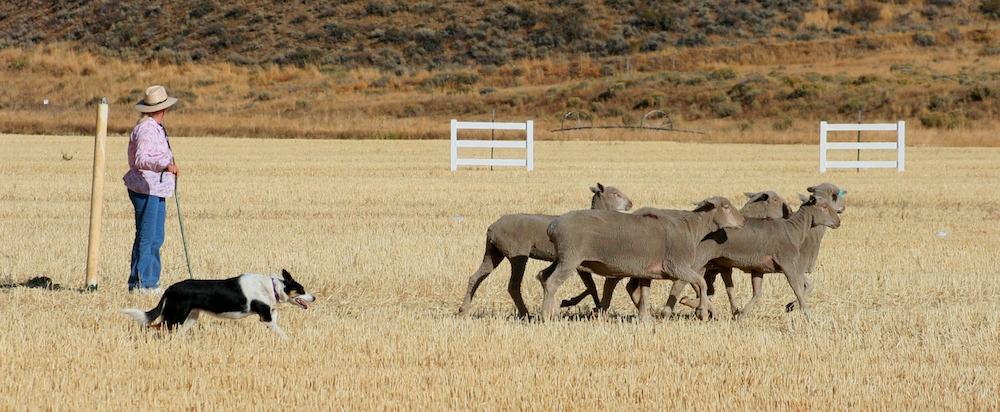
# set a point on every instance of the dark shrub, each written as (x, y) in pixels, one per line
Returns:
(931, 12)
(939, 103)
(379, 9)
(202, 8)
(654, 42)
(924, 39)
(781, 125)
(337, 33)
(692, 39)
(863, 14)
(616, 46)
(727, 108)
(428, 40)
(413, 110)
(979, 93)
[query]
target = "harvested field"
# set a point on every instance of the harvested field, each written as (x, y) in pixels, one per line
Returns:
(386, 237)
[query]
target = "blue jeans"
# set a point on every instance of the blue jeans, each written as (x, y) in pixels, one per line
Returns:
(150, 217)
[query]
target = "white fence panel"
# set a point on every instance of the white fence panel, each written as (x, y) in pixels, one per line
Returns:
(899, 145)
(528, 144)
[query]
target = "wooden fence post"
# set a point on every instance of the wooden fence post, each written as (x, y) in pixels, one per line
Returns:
(97, 197)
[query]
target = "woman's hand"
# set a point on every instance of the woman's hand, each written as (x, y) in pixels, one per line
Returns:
(172, 168)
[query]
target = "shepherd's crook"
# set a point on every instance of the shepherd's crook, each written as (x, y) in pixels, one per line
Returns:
(183, 237)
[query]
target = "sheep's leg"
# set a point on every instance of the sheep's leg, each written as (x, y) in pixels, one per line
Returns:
(559, 274)
(808, 285)
(634, 291)
(544, 274)
(674, 298)
(756, 279)
(643, 303)
(708, 307)
(710, 276)
(491, 259)
(727, 278)
(799, 288)
(609, 291)
(517, 265)
(686, 274)
(588, 281)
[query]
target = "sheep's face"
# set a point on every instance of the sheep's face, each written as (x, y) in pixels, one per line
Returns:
(827, 215)
(765, 205)
(724, 214)
(609, 198)
(832, 194)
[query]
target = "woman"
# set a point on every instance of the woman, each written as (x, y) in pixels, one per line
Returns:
(150, 180)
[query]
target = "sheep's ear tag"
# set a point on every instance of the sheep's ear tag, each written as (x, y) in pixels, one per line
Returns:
(841, 193)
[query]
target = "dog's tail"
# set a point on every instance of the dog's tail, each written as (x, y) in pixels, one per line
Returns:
(145, 318)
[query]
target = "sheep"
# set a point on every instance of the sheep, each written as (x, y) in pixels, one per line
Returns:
(810, 248)
(518, 237)
(766, 204)
(648, 246)
(765, 246)
(610, 282)
(835, 196)
(760, 205)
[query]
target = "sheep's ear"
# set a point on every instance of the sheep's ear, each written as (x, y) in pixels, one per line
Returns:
(785, 210)
(805, 199)
(811, 189)
(749, 195)
(704, 206)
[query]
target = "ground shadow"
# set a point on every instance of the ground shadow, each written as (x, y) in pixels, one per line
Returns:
(38, 282)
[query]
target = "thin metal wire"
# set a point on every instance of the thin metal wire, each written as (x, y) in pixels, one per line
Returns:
(183, 236)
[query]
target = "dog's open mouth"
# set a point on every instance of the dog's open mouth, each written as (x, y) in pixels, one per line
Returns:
(301, 303)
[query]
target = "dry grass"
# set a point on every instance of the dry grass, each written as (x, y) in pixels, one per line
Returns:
(906, 319)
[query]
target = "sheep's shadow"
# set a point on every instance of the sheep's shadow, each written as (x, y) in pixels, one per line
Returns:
(613, 315)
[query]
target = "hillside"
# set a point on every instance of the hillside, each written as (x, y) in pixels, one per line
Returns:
(399, 36)
(298, 68)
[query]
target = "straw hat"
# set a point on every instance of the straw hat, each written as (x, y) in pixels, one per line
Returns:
(156, 99)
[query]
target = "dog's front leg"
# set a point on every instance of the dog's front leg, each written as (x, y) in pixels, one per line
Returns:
(268, 316)
(273, 324)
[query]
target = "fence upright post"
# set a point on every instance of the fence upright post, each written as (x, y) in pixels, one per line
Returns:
(454, 144)
(822, 147)
(530, 129)
(901, 142)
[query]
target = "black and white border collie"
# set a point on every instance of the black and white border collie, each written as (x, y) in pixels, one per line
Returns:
(231, 298)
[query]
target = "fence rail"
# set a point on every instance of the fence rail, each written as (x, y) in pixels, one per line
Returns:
(899, 145)
(528, 144)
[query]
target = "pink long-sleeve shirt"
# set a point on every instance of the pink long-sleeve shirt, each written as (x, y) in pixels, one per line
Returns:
(149, 154)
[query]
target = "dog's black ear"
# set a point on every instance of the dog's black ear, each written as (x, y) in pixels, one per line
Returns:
(287, 276)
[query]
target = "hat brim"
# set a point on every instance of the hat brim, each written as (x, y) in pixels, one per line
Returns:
(143, 108)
